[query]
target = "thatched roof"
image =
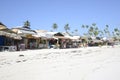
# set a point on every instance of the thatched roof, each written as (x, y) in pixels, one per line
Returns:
(23, 31)
(2, 26)
(4, 31)
(58, 34)
(10, 35)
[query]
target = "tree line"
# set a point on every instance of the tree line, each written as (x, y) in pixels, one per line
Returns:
(92, 30)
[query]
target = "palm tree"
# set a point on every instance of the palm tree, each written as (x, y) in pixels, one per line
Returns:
(116, 29)
(26, 24)
(106, 31)
(96, 31)
(90, 31)
(113, 33)
(93, 24)
(117, 32)
(66, 27)
(93, 30)
(83, 26)
(87, 26)
(76, 31)
(55, 26)
(101, 33)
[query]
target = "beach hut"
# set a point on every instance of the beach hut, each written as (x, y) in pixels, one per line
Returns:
(8, 38)
(65, 40)
(29, 41)
(53, 39)
(46, 39)
(43, 38)
(4, 31)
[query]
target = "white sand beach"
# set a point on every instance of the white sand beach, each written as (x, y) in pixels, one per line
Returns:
(91, 63)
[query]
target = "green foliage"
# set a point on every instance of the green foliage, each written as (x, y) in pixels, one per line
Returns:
(26, 24)
(93, 30)
(55, 26)
(66, 27)
(106, 31)
(116, 32)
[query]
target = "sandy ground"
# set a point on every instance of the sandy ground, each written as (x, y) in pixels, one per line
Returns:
(92, 63)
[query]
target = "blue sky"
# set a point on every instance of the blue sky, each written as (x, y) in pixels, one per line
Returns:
(43, 13)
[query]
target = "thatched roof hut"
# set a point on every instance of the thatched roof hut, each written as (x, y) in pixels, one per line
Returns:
(2, 26)
(4, 31)
(24, 32)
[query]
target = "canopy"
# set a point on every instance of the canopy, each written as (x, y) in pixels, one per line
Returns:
(11, 35)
